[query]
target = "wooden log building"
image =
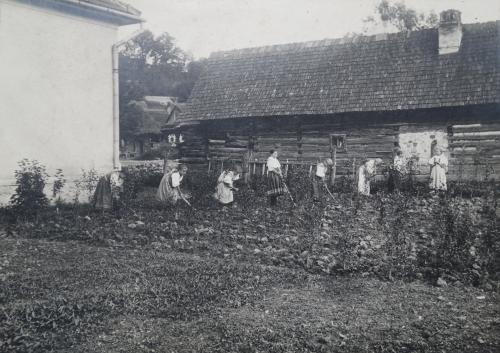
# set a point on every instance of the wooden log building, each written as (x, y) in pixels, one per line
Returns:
(351, 99)
(151, 113)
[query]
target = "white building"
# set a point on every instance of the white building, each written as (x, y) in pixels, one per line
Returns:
(57, 85)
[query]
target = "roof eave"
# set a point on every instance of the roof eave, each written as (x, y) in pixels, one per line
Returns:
(88, 10)
(180, 125)
(199, 120)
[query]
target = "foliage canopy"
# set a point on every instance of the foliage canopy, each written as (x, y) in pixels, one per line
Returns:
(400, 16)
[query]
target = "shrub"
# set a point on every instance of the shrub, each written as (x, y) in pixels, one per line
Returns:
(400, 247)
(151, 155)
(258, 185)
(201, 186)
(471, 188)
(136, 178)
(30, 183)
(299, 183)
(344, 184)
(86, 183)
(58, 185)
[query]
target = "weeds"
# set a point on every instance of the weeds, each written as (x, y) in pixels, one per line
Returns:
(29, 197)
(58, 185)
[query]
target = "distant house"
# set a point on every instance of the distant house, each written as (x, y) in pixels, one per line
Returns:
(154, 112)
(58, 88)
(354, 98)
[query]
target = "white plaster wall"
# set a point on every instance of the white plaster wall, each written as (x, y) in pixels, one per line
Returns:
(418, 145)
(55, 92)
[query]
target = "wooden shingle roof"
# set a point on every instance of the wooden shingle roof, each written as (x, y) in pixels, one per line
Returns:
(156, 112)
(384, 72)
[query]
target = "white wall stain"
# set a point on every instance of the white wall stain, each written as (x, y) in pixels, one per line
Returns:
(418, 145)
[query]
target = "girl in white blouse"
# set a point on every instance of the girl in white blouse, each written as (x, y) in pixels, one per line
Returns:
(169, 190)
(439, 168)
(275, 186)
(365, 173)
(224, 191)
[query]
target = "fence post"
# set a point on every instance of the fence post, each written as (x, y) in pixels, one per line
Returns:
(354, 172)
(334, 168)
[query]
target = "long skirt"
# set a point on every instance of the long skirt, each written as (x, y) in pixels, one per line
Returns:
(166, 193)
(395, 180)
(275, 185)
(438, 178)
(103, 198)
(363, 182)
(317, 183)
(224, 194)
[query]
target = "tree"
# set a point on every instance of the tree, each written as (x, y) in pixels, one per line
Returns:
(194, 69)
(130, 120)
(29, 196)
(155, 66)
(401, 17)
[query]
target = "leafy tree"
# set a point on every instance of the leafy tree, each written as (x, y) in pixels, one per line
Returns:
(29, 196)
(194, 69)
(155, 66)
(132, 116)
(401, 17)
(58, 185)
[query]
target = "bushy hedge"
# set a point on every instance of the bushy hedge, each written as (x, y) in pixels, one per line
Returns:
(201, 184)
(29, 197)
(136, 178)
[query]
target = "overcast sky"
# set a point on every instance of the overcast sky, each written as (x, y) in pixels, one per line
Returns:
(203, 26)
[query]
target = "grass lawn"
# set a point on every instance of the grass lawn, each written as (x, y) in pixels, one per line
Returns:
(76, 297)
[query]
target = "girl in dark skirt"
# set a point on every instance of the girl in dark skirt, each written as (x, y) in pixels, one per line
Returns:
(108, 191)
(275, 185)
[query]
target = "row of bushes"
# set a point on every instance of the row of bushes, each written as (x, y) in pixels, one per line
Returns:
(31, 181)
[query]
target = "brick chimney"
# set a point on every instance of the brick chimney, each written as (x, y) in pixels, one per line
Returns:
(450, 31)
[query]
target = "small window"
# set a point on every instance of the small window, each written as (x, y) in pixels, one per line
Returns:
(337, 142)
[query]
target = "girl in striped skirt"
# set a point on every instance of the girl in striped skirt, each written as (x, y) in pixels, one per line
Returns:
(275, 185)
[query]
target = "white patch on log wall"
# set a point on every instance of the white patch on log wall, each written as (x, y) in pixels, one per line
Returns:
(418, 144)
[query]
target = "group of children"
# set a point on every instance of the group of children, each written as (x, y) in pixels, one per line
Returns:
(399, 170)
(169, 190)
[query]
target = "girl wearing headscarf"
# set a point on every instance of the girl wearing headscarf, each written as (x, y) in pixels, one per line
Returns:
(397, 171)
(365, 173)
(275, 185)
(108, 191)
(225, 187)
(169, 190)
(439, 168)
(319, 177)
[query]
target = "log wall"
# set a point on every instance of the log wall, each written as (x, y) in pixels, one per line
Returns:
(472, 141)
(475, 151)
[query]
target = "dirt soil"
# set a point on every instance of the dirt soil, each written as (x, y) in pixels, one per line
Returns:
(73, 296)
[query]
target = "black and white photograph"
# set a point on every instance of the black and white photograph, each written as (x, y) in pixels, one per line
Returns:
(253, 176)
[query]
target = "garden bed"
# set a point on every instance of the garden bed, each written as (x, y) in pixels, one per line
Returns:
(385, 273)
(388, 236)
(69, 296)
